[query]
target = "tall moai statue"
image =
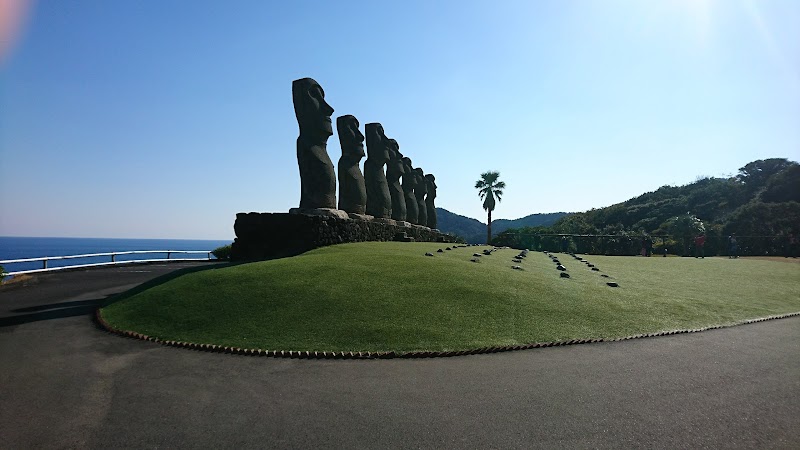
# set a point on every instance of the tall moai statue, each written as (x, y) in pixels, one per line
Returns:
(430, 182)
(352, 191)
(420, 190)
(379, 201)
(409, 182)
(394, 170)
(317, 177)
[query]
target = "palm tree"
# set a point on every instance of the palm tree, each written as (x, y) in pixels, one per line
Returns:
(489, 188)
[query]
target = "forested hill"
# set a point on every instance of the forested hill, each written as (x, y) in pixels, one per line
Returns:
(533, 220)
(465, 227)
(474, 231)
(763, 199)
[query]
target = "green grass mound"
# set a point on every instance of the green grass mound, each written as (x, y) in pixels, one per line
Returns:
(390, 296)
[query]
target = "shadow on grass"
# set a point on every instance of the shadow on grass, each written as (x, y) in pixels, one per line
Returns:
(164, 279)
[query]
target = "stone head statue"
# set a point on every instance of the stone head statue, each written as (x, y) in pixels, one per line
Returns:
(350, 137)
(409, 183)
(352, 190)
(377, 145)
(407, 165)
(312, 111)
(317, 177)
(379, 200)
(420, 188)
(394, 149)
(394, 170)
(430, 184)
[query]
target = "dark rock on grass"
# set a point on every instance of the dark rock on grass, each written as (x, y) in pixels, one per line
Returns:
(612, 284)
(517, 267)
(604, 276)
(516, 260)
(448, 248)
(556, 261)
(428, 254)
(564, 275)
(474, 259)
(477, 255)
(595, 269)
(590, 265)
(440, 251)
(561, 268)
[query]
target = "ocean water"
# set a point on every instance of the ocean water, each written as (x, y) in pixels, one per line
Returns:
(35, 247)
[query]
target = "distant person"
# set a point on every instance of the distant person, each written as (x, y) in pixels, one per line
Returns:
(564, 244)
(733, 246)
(700, 246)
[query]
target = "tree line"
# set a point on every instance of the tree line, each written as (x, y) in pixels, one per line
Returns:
(760, 204)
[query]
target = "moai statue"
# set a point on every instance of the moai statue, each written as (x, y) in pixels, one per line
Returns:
(430, 182)
(420, 190)
(394, 170)
(409, 183)
(379, 201)
(317, 178)
(352, 191)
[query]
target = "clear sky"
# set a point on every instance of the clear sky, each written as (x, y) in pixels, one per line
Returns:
(163, 119)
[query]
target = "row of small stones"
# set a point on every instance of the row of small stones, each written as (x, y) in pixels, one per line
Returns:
(486, 252)
(518, 259)
(560, 267)
(390, 355)
(595, 269)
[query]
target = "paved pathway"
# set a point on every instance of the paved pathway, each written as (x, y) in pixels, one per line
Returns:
(65, 383)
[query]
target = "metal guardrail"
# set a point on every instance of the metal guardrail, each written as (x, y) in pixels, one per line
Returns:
(113, 261)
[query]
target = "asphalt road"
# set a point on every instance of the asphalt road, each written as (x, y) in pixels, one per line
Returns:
(64, 384)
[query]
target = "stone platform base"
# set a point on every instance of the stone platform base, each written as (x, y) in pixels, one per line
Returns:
(272, 235)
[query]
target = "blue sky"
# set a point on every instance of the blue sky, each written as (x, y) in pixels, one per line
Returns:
(163, 119)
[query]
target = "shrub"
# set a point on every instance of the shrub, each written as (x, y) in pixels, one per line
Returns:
(223, 252)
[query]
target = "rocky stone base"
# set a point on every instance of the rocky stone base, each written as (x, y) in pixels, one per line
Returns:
(272, 235)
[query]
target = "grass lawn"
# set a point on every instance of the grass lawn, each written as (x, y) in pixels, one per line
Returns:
(389, 296)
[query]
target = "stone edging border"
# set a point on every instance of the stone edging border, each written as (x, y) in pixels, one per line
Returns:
(391, 355)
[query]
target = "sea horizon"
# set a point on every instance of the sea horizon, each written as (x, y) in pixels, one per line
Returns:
(23, 247)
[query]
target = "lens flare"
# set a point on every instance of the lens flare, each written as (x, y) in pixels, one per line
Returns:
(12, 17)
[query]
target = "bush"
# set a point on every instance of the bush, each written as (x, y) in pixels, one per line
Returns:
(223, 252)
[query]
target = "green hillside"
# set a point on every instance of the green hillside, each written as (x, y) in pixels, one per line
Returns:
(761, 204)
(474, 231)
(390, 296)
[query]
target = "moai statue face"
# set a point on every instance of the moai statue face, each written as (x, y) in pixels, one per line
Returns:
(394, 149)
(350, 137)
(407, 164)
(377, 145)
(430, 181)
(312, 111)
(396, 157)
